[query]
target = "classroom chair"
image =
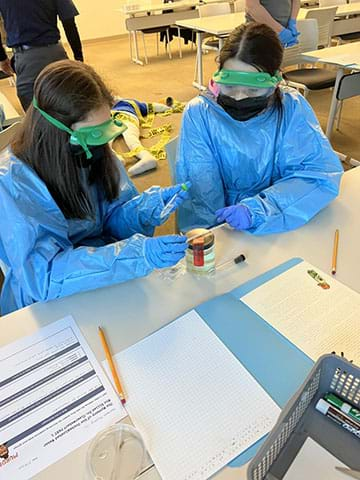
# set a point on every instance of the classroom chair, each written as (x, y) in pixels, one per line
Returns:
(325, 18)
(211, 10)
(179, 32)
(306, 79)
(349, 87)
(348, 37)
(134, 26)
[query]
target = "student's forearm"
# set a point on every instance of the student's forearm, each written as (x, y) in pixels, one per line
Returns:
(261, 15)
(295, 8)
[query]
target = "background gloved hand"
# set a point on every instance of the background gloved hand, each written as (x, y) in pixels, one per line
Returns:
(292, 27)
(237, 216)
(287, 38)
(165, 251)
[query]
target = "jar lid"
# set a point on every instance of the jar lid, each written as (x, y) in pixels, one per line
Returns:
(207, 235)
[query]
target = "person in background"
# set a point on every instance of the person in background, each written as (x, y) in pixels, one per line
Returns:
(280, 15)
(71, 220)
(34, 37)
(254, 151)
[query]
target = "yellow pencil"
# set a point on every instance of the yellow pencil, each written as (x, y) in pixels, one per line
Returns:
(112, 366)
(335, 252)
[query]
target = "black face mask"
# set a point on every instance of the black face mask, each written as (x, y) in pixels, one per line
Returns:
(97, 151)
(243, 109)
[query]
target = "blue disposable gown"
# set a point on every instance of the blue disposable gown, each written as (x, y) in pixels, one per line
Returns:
(282, 168)
(46, 256)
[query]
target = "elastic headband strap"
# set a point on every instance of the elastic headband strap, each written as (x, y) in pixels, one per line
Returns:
(63, 127)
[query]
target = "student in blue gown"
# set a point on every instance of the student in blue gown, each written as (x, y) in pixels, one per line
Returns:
(254, 151)
(71, 220)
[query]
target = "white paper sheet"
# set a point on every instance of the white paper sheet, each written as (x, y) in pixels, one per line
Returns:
(194, 403)
(314, 462)
(318, 321)
(54, 396)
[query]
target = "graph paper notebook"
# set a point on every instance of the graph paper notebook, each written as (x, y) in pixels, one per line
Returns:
(194, 403)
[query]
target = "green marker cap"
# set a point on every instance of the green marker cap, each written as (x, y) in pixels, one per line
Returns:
(353, 412)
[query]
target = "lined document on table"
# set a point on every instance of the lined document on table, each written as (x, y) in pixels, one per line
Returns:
(318, 320)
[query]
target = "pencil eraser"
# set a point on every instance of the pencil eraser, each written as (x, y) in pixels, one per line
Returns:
(333, 272)
(123, 401)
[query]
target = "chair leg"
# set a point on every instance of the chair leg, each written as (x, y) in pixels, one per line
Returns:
(131, 46)
(168, 43)
(340, 107)
(179, 42)
(145, 52)
(136, 48)
(157, 43)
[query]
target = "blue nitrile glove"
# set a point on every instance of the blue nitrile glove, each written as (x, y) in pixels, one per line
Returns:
(292, 27)
(287, 38)
(181, 190)
(172, 198)
(237, 216)
(165, 251)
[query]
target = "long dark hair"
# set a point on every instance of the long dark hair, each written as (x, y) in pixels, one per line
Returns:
(259, 46)
(68, 91)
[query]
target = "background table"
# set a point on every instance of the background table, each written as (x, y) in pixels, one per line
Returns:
(345, 56)
(219, 26)
(135, 309)
(145, 16)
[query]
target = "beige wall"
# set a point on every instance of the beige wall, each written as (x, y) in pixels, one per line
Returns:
(99, 18)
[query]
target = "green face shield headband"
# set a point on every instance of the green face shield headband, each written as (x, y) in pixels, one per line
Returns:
(87, 136)
(247, 79)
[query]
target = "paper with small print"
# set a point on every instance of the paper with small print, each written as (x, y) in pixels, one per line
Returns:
(317, 316)
(54, 396)
(194, 403)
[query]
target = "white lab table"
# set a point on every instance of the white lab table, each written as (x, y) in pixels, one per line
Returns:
(219, 26)
(135, 309)
(11, 115)
(345, 57)
(137, 9)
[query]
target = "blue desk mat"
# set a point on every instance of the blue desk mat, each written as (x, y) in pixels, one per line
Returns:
(277, 364)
